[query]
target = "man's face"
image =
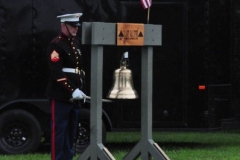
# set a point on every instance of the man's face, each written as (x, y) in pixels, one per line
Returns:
(72, 29)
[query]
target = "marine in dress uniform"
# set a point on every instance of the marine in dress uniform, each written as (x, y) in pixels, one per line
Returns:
(66, 82)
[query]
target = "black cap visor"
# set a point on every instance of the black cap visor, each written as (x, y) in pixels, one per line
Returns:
(73, 24)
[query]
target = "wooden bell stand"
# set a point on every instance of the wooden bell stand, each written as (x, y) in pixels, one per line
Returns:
(98, 34)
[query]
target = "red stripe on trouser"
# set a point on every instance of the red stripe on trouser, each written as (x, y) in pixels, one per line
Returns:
(53, 130)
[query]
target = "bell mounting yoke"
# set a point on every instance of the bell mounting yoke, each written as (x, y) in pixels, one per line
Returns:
(98, 34)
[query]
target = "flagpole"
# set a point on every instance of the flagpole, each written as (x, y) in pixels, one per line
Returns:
(148, 15)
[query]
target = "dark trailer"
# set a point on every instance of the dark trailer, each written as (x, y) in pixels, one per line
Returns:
(195, 71)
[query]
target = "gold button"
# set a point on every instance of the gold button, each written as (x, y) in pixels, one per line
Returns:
(73, 47)
(76, 70)
(68, 86)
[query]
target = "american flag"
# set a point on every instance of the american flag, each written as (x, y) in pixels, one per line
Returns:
(146, 3)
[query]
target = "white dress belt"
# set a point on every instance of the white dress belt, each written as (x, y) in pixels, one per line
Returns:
(71, 70)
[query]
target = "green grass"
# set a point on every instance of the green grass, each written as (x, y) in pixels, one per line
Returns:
(177, 146)
(185, 145)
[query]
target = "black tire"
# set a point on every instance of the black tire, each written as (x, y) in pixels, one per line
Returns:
(20, 132)
(83, 134)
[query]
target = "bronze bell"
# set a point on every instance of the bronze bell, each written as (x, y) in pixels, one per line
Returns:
(123, 84)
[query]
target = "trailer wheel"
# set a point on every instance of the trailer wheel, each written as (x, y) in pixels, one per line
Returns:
(20, 132)
(83, 134)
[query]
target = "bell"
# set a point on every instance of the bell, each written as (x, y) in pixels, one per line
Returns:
(123, 84)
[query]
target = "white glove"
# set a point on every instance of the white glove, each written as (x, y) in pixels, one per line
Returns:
(78, 94)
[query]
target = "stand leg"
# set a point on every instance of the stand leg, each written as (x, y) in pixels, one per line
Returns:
(146, 147)
(96, 150)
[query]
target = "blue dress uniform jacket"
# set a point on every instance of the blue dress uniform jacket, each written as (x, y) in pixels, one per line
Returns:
(64, 52)
(64, 57)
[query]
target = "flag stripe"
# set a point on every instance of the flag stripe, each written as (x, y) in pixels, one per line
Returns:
(146, 3)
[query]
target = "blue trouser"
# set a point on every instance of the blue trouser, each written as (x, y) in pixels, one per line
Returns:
(63, 129)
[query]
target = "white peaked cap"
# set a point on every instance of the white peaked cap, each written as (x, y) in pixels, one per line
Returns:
(70, 17)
